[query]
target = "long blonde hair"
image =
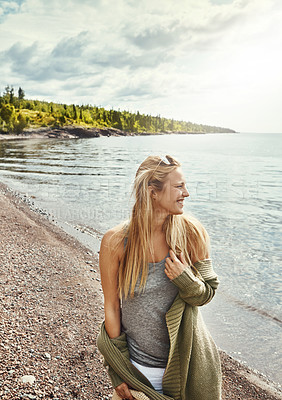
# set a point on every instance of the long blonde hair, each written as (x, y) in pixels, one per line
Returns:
(183, 233)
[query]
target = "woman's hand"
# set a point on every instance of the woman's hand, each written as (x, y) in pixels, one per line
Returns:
(174, 266)
(124, 392)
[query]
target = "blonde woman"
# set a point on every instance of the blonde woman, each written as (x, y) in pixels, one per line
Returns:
(156, 270)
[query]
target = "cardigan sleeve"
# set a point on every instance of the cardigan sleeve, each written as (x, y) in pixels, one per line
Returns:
(197, 290)
(121, 343)
(114, 377)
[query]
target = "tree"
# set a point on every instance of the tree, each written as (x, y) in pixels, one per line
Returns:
(21, 123)
(7, 113)
(12, 95)
(21, 93)
(62, 120)
(6, 94)
(75, 116)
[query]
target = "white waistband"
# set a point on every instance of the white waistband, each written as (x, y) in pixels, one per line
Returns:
(154, 375)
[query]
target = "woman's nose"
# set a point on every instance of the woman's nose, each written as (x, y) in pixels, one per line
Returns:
(186, 193)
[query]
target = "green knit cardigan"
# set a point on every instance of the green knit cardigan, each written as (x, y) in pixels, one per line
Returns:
(193, 370)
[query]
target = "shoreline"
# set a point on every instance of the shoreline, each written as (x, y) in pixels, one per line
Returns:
(51, 313)
(81, 132)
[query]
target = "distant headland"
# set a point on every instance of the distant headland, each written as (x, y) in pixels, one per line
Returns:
(24, 118)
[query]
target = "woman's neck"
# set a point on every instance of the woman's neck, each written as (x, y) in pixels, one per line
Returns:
(158, 222)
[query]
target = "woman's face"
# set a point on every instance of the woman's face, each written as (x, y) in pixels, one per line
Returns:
(170, 200)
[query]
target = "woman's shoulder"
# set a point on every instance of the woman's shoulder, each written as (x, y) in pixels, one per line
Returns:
(114, 238)
(118, 231)
(110, 233)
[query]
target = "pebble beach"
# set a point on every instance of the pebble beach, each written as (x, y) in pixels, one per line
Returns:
(50, 313)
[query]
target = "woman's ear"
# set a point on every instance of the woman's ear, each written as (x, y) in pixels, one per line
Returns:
(152, 192)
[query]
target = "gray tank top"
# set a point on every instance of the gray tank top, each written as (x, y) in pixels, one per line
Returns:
(143, 318)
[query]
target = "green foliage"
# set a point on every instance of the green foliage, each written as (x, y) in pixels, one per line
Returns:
(21, 123)
(7, 112)
(17, 113)
(8, 116)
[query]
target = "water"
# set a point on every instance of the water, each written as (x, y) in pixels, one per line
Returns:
(234, 186)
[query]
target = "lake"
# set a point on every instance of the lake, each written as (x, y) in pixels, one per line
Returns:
(234, 181)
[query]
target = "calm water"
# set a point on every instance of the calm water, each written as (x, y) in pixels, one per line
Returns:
(234, 182)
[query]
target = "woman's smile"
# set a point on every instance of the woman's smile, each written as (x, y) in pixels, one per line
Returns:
(181, 202)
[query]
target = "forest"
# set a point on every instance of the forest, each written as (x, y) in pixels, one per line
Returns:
(18, 113)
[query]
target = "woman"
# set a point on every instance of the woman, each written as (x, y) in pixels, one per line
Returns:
(155, 271)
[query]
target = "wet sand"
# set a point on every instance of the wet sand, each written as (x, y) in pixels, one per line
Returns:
(50, 312)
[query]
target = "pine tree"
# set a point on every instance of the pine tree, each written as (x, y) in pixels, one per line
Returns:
(74, 112)
(12, 95)
(21, 93)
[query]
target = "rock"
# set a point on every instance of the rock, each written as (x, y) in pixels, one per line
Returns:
(28, 379)
(47, 355)
(30, 396)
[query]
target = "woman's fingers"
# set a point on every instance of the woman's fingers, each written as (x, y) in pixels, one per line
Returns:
(124, 392)
(174, 266)
(172, 255)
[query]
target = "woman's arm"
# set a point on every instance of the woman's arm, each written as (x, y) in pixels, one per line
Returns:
(109, 265)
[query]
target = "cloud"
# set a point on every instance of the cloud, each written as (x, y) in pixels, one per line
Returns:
(112, 58)
(134, 92)
(141, 54)
(71, 47)
(34, 64)
(21, 55)
(9, 7)
(157, 37)
(75, 56)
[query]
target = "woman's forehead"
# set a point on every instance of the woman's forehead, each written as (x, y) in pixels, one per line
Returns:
(176, 175)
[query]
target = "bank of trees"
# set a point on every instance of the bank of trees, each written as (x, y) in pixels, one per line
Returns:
(18, 113)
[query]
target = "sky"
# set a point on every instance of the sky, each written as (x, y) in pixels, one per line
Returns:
(215, 62)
